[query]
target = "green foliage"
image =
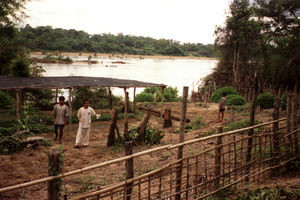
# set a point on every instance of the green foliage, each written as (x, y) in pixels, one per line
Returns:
(265, 100)
(147, 95)
(144, 97)
(283, 101)
(196, 124)
(98, 98)
(238, 125)
(48, 39)
(270, 194)
(235, 100)
(20, 67)
(216, 96)
(152, 136)
(243, 108)
(5, 100)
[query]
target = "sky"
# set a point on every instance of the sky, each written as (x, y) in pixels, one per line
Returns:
(182, 20)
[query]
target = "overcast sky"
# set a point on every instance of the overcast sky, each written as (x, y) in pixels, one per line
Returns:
(181, 20)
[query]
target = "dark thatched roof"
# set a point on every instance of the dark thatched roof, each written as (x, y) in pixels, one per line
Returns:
(60, 82)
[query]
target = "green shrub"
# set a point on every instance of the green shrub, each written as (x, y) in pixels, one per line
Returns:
(197, 123)
(265, 100)
(238, 125)
(283, 101)
(242, 108)
(5, 100)
(235, 100)
(144, 97)
(216, 97)
(152, 136)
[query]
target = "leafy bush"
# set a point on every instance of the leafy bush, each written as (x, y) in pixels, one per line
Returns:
(272, 194)
(235, 100)
(242, 108)
(265, 100)
(152, 136)
(147, 95)
(5, 100)
(216, 96)
(144, 97)
(197, 123)
(238, 125)
(283, 101)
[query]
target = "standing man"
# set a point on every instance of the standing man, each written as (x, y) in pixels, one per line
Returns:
(60, 113)
(222, 107)
(85, 118)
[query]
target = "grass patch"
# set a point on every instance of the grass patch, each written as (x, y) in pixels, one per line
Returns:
(238, 125)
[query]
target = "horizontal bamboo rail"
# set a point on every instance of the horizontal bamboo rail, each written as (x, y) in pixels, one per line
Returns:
(99, 165)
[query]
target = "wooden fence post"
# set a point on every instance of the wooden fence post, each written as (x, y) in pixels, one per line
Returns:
(18, 97)
(289, 142)
(111, 136)
(142, 128)
(294, 117)
(134, 100)
(70, 109)
(110, 98)
(167, 118)
(218, 156)
(126, 116)
(54, 168)
(181, 139)
(275, 132)
(129, 169)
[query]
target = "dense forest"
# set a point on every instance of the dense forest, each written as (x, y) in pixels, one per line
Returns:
(46, 38)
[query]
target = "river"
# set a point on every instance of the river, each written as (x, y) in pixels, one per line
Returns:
(172, 72)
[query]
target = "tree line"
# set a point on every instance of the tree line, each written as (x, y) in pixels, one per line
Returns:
(46, 38)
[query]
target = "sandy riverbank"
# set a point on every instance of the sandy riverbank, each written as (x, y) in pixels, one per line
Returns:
(124, 56)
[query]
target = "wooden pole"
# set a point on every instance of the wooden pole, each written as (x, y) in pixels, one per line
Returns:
(294, 118)
(111, 135)
(275, 131)
(126, 116)
(252, 117)
(56, 95)
(110, 99)
(167, 118)
(18, 108)
(129, 169)
(162, 94)
(142, 128)
(218, 154)
(288, 125)
(70, 109)
(181, 139)
(134, 100)
(54, 168)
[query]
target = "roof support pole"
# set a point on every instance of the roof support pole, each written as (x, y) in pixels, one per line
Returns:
(70, 109)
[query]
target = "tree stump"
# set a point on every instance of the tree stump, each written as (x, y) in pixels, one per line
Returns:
(167, 118)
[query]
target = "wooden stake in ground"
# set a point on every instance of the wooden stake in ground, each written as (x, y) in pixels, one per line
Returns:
(54, 168)
(218, 153)
(109, 98)
(181, 139)
(167, 118)
(129, 169)
(142, 128)
(288, 125)
(275, 132)
(70, 109)
(294, 117)
(126, 116)
(112, 128)
(134, 100)
(18, 96)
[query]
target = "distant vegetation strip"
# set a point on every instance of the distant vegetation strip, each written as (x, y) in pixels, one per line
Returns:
(46, 38)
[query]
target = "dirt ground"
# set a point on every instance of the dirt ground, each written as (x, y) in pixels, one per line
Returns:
(31, 164)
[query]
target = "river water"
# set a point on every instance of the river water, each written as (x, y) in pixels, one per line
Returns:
(172, 72)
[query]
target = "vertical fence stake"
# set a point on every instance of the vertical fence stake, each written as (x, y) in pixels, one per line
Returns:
(134, 100)
(126, 116)
(109, 98)
(70, 110)
(167, 118)
(294, 118)
(289, 142)
(113, 125)
(181, 139)
(218, 156)
(54, 168)
(275, 133)
(129, 169)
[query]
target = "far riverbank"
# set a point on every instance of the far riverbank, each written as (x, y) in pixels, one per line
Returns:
(122, 56)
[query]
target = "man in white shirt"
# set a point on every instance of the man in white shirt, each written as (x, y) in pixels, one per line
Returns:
(60, 113)
(84, 115)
